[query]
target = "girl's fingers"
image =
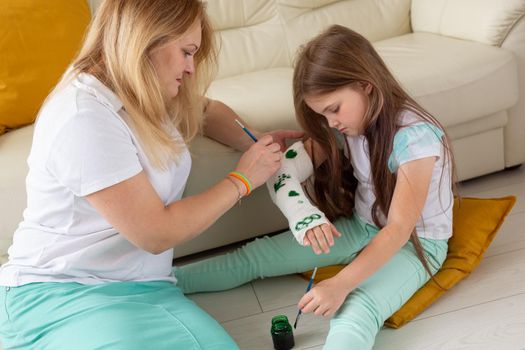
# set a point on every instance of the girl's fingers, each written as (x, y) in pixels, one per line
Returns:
(305, 300)
(321, 239)
(327, 230)
(310, 306)
(335, 231)
(313, 242)
(327, 313)
(306, 241)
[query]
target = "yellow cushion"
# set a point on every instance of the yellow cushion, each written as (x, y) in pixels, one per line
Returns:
(476, 222)
(38, 40)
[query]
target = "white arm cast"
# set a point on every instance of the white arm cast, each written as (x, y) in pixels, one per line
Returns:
(287, 193)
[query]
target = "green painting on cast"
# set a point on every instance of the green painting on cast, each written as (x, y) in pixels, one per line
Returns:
(291, 154)
(280, 182)
(292, 194)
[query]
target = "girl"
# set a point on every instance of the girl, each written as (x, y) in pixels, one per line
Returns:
(90, 265)
(389, 195)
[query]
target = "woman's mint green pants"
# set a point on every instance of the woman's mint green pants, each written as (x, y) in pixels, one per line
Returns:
(116, 316)
(359, 319)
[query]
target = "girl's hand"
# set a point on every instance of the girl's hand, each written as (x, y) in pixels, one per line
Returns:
(280, 137)
(260, 161)
(321, 238)
(325, 298)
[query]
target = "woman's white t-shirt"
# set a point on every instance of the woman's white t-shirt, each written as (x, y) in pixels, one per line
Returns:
(82, 145)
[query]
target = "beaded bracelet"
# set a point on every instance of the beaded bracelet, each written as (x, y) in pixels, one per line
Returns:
(243, 179)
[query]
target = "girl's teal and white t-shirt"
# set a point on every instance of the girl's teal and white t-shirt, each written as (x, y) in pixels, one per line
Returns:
(415, 140)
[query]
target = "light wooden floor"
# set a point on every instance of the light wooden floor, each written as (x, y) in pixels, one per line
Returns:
(484, 311)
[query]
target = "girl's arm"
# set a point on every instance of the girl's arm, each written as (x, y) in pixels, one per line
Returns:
(220, 125)
(135, 210)
(413, 180)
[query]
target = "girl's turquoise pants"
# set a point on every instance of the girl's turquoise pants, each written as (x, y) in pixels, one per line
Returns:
(364, 311)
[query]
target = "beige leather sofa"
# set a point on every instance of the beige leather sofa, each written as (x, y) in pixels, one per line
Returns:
(464, 60)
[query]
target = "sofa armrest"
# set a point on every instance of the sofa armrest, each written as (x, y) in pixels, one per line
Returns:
(484, 21)
(515, 129)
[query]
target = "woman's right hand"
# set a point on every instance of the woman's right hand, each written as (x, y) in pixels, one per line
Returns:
(260, 161)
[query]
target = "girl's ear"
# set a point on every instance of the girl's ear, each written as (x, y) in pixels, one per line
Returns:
(366, 86)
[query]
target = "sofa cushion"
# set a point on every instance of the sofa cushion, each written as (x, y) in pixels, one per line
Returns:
(446, 75)
(14, 149)
(374, 19)
(489, 23)
(39, 39)
(476, 222)
(251, 36)
(263, 98)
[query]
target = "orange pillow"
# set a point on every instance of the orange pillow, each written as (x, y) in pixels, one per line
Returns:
(476, 222)
(39, 39)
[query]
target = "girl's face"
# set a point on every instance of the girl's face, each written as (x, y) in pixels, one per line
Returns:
(175, 59)
(344, 109)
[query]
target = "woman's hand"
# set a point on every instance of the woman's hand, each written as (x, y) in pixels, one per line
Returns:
(325, 298)
(321, 238)
(260, 161)
(280, 136)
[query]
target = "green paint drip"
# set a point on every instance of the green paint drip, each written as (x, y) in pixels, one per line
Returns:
(291, 154)
(292, 194)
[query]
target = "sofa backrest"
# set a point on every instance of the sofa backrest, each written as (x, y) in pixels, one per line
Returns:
(489, 23)
(251, 35)
(374, 19)
(261, 34)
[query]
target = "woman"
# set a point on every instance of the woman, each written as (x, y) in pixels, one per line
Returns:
(90, 265)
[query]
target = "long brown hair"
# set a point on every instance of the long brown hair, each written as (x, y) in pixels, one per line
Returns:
(338, 58)
(116, 51)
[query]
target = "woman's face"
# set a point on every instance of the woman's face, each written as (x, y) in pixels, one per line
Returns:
(344, 109)
(174, 60)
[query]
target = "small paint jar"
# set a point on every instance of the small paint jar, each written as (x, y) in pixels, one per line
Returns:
(282, 333)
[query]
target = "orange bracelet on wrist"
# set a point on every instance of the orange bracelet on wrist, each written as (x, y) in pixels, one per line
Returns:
(241, 177)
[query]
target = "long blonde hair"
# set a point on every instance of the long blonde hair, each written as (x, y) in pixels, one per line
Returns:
(116, 51)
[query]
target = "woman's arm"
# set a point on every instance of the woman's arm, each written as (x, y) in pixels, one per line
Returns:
(413, 181)
(135, 210)
(220, 125)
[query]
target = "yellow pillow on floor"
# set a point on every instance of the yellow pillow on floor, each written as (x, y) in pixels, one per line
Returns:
(476, 222)
(39, 39)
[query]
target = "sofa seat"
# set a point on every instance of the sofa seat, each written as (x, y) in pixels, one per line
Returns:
(14, 149)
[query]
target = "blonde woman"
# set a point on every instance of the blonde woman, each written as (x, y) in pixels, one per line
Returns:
(90, 265)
